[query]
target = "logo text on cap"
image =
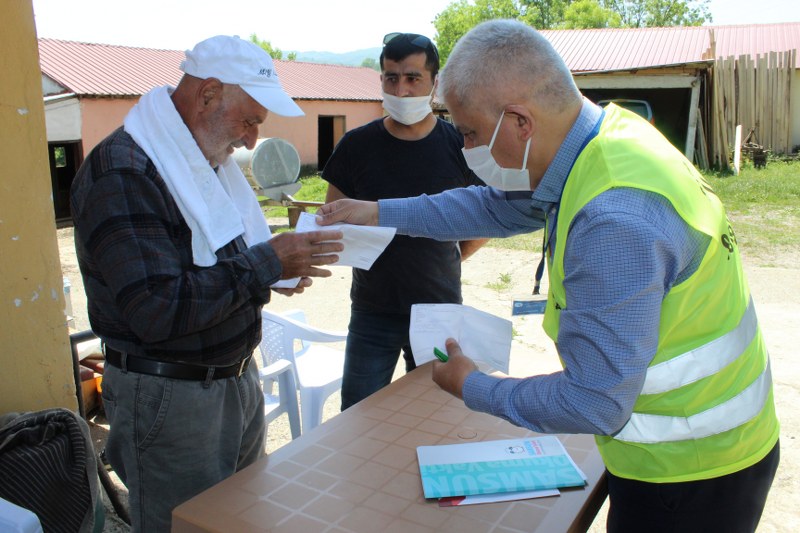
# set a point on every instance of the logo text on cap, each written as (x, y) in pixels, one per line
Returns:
(265, 72)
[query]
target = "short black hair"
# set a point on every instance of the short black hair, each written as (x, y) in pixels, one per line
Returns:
(398, 46)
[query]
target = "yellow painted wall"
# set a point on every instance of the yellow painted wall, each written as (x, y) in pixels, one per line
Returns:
(35, 362)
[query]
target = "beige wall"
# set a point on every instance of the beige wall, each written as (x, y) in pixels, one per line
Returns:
(35, 356)
(101, 116)
(302, 131)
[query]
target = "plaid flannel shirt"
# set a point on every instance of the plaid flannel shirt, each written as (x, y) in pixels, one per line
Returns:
(145, 295)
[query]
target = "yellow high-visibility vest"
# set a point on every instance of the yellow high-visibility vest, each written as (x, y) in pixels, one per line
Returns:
(706, 408)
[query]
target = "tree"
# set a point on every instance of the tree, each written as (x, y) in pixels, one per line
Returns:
(462, 15)
(652, 13)
(371, 62)
(589, 14)
(274, 53)
(543, 14)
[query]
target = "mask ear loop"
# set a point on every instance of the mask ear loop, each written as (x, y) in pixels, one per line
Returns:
(527, 151)
(496, 129)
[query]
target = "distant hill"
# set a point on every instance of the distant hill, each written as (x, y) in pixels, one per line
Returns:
(354, 58)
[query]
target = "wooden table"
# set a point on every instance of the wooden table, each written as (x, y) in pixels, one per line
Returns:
(358, 472)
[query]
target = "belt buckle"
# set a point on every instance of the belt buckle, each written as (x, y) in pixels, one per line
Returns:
(242, 366)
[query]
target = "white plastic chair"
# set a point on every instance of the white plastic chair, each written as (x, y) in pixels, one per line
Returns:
(279, 372)
(317, 369)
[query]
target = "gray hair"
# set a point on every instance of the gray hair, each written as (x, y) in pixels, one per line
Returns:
(502, 59)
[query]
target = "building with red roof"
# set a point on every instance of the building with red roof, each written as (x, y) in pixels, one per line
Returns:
(89, 88)
(696, 98)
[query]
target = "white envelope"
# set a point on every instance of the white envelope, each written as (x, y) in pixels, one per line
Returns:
(482, 336)
(362, 244)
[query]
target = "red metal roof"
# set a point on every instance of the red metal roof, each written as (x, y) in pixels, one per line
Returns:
(627, 48)
(317, 81)
(106, 70)
(109, 70)
(632, 48)
(757, 39)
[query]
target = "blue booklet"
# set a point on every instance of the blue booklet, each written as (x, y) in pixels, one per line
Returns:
(529, 306)
(497, 466)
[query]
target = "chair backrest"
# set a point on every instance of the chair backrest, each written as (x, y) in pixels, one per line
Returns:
(281, 337)
(274, 344)
(46, 453)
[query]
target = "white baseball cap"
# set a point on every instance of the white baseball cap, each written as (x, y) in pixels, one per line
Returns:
(239, 62)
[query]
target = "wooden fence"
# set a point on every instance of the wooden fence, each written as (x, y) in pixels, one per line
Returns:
(755, 93)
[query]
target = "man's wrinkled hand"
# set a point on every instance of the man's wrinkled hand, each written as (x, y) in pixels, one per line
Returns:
(450, 376)
(358, 212)
(301, 254)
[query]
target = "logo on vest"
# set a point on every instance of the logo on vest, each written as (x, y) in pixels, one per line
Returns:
(729, 240)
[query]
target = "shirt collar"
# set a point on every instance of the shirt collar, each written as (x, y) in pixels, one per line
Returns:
(583, 130)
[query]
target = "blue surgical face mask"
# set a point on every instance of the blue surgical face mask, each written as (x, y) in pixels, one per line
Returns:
(483, 164)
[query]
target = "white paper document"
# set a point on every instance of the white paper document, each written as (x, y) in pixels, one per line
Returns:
(482, 336)
(362, 244)
(457, 501)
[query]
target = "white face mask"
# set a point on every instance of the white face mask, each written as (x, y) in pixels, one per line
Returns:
(482, 163)
(407, 110)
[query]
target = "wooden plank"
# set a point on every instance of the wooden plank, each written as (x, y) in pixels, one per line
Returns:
(787, 70)
(782, 102)
(773, 90)
(714, 117)
(663, 81)
(702, 148)
(722, 149)
(719, 122)
(733, 112)
(789, 110)
(762, 99)
(691, 131)
(746, 111)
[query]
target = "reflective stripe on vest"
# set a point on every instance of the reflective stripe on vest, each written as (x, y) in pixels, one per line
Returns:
(726, 416)
(705, 360)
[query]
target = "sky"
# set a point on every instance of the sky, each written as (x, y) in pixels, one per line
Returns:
(292, 25)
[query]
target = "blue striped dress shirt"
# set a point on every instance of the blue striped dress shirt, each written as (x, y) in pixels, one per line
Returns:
(626, 249)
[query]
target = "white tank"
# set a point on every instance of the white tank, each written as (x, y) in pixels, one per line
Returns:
(272, 166)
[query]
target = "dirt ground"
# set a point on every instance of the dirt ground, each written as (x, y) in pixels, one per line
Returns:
(774, 277)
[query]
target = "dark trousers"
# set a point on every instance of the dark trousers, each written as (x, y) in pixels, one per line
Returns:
(729, 504)
(374, 344)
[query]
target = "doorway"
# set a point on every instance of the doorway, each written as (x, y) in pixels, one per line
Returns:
(65, 158)
(330, 130)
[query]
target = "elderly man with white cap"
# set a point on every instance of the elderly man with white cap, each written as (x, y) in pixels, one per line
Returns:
(177, 261)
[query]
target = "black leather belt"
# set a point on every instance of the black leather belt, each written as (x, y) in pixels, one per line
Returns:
(172, 370)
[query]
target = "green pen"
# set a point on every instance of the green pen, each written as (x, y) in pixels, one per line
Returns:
(440, 354)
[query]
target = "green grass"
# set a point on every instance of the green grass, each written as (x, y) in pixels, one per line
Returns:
(763, 205)
(313, 189)
(503, 282)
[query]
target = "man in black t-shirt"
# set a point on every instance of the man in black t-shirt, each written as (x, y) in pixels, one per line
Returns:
(405, 154)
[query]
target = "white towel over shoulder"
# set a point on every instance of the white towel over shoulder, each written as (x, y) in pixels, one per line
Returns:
(218, 206)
